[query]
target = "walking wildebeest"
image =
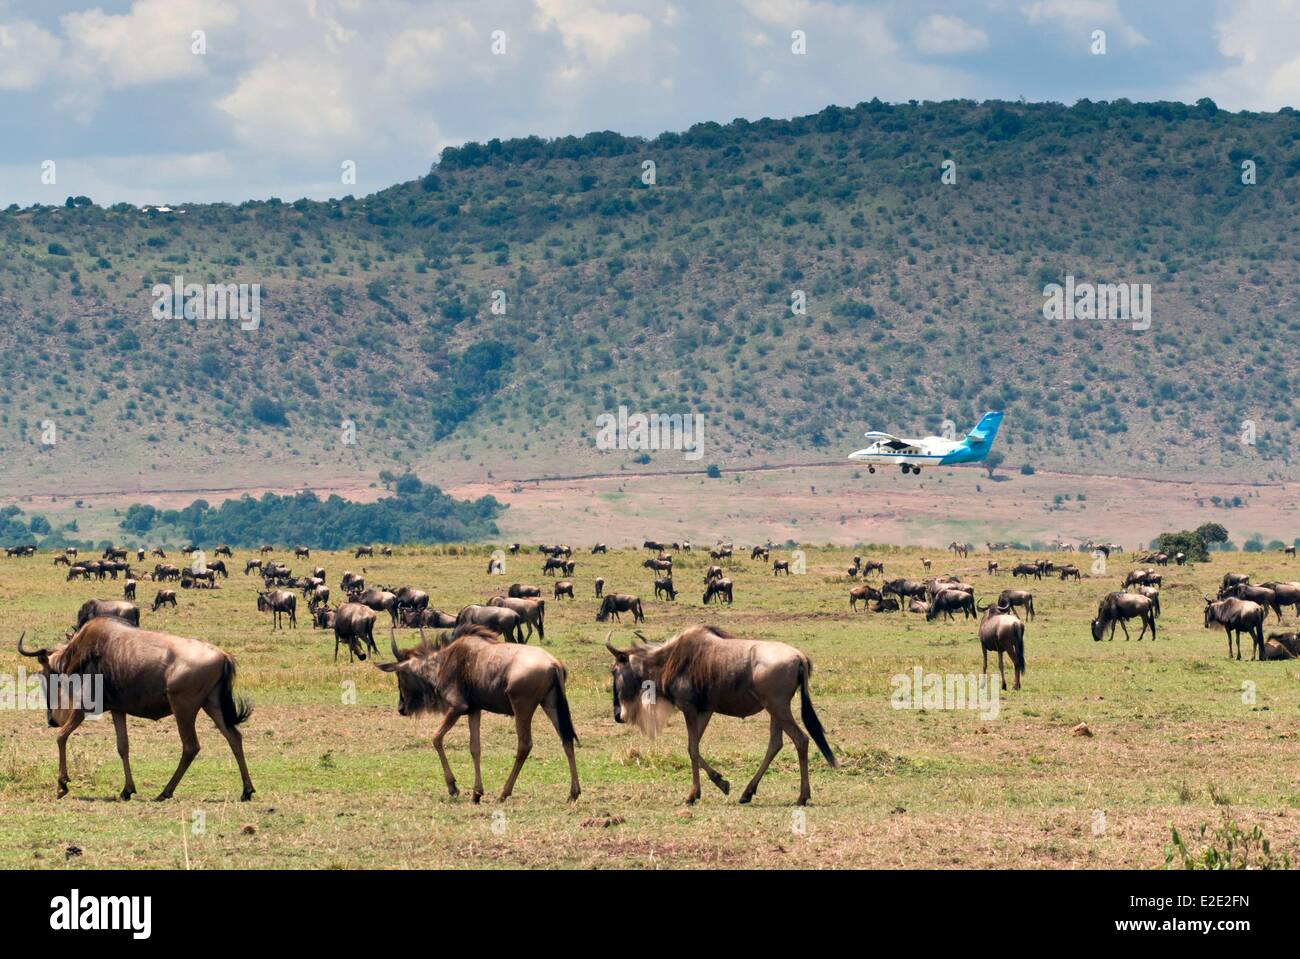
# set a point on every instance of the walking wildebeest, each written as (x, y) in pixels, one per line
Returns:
(1237, 616)
(664, 587)
(507, 622)
(759, 552)
(1002, 632)
(477, 672)
(600, 586)
(617, 603)
(564, 588)
(223, 550)
(864, 595)
(1011, 598)
(719, 589)
(354, 624)
(532, 612)
(164, 597)
(659, 566)
(363, 551)
(704, 670)
(279, 602)
(1027, 569)
(1118, 607)
(146, 674)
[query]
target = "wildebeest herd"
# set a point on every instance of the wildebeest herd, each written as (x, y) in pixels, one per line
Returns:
(478, 658)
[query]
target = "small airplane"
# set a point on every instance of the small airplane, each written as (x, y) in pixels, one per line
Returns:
(912, 454)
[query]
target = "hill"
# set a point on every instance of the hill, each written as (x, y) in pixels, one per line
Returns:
(924, 303)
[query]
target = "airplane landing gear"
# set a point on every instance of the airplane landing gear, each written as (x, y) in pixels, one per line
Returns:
(871, 469)
(906, 468)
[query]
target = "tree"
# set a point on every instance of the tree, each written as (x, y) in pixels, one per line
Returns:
(993, 461)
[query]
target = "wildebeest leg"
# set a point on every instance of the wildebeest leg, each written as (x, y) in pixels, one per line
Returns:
(124, 751)
(781, 713)
(189, 745)
(447, 722)
(550, 706)
(696, 724)
(233, 736)
(68, 728)
(774, 742)
(523, 743)
(1002, 669)
(473, 718)
(1124, 626)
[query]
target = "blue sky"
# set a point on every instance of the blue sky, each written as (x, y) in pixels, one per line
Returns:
(285, 92)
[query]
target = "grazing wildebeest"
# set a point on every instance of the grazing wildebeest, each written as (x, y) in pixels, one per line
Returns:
(713, 572)
(653, 546)
(721, 552)
(120, 609)
(1231, 580)
(78, 569)
(267, 548)
(165, 571)
(412, 598)
(506, 622)
(1027, 569)
(1070, 572)
(1002, 632)
(428, 617)
(1142, 577)
(600, 586)
(871, 566)
(759, 552)
(1011, 598)
(320, 596)
(949, 601)
(62, 560)
(719, 589)
(1237, 616)
(780, 566)
(279, 602)
(128, 589)
(1118, 607)
(475, 673)
(664, 587)
(599, 548)
(380, 599)
(551, 565)
(146, 674)
(704, 670)
(564, 587)
(354, 624)
(864, 595)
(351, 582)
(363, 551)
(1152, 593)
(223, 550)
(115, 552)
(164, 597)
(252, 564)
(904, 589)
(617, 603)
(532, 613)
(524, 591)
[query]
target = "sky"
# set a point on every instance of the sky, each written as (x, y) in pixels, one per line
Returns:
(173, 101)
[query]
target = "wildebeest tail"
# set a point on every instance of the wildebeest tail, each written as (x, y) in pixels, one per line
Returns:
(563, 720)
(233, 711)
(809, 715)
(1020, 652)
(541, 619)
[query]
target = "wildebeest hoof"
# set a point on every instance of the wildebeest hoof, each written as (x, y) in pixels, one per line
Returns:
(247, 794)
(162, 797)
(477, 797)
(126, 794)
(801, 801)
(452, 791)
(63, 791)
(745, 797)
(573, 796)
(722, 784)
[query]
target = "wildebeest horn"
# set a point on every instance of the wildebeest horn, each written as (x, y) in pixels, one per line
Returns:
(24, 651)
(618, 653)
(392, 638)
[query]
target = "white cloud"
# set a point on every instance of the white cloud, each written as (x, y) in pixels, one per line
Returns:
(150, 43)
(1081, 17)
(295, 106)
(27, 55)
(942, 34)
(1262, 38)
(596, 35)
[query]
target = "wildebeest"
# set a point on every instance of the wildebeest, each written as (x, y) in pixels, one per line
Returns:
(252, 564)
(993, 567)
(166, 571)
(551, 565)
(719, 589)
(1070, 572)
(279, 602)
(506, 622)
(871, 566)
(720, 552)
(380, 599)
(532, 613)
(409, 597)
(117, 608)
(1231, 580)
(1142, 577)
(1118, 607)
(1011, 598)
(164, 597)
(320, 596)
(713, 572)
(949, 601)
(1237, 616)
(62, 560)
(351, 582)
(267, 548)
(1002, 632)
(864, 595)
(524, 591)
(428, 617)
(146, 674)
(477, 673)
(1152, 593)
(1027, 569)
(599, 548)
(219, 566)
(659, 565)
(363, 551)
(780, 566)
(564, 587)
(1261, 594)
(653, 546)
(664, 587)
(617, 603)
(128, 589)
(600, 586)
(223, 550)
(904, 589)
(354, 624)
(386, 551)
(704, 670)
(886, 604)
(301, 552)
(759, 552)
(1286, 594)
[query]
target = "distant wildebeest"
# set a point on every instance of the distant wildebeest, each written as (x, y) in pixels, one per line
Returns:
(600, 586)
(320, 596)
(1261, 594)
(301, 552)
(363, 551)
(704, 670)
(164, 597)
(659, 566)
(1027, 569)
(128, 589)
(219, 566)
(279, 602)
(380, 600)
(1119, 607)
(354, 624)
(1011, 598)
(1003, 633)
(864, 595)
(524, 591)
(759, 552)
(564, 587)
(721, 552)
(1070, 572)
(146, 674)
(664, 587)
(165, 571)
(117, 608)
(653, 546)
(871, 566)
(386, 551)
(115, 552)
(1237, 616)
(514, 549)
(713, 572)
(1152, 593)
(618, 603)
(1286, 551)
(496, 566)
(950, 601)
(409, 597)
(959, 549)
(1144, 577)
(599, 548)
(139, 555)
(267, 548)
(719, 589)
(993, 567)
(1180, 558)
(532, 613)
(351, 582)
(551, 565)
(886, 604)
(477, 673)
(505, 622)
(1231, 580)
(252, 564)
(70, 551)
(76, 570)
(428, 617)
(780, 566)
(158, 552)
(904, 589)
(223, 550)
(62, 560)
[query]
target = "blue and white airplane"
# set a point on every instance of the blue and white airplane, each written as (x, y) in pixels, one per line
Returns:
(912, 454)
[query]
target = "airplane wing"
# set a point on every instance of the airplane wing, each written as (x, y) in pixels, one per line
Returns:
(877, 435)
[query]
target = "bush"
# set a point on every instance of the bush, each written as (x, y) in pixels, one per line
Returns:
(268, 411)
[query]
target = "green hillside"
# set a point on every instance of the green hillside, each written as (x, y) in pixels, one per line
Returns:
(924, 303)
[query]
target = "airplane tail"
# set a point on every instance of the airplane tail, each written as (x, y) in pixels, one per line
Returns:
(981, 437)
